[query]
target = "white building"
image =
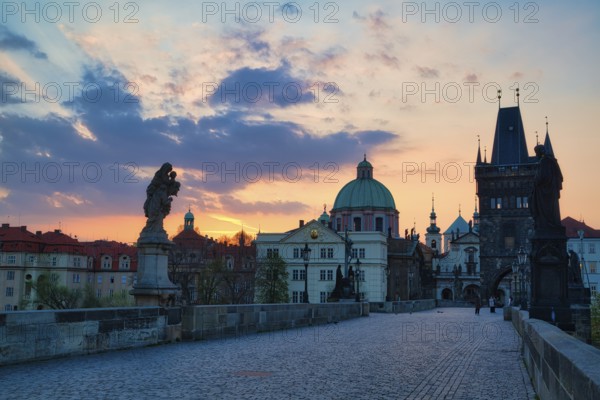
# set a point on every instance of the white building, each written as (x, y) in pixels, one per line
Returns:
(585, 242)
(327, 253)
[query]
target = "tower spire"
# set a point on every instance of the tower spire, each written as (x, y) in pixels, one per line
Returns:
(478, 150)
(499, 97)
(547, 142)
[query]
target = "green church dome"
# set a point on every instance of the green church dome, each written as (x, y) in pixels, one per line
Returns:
(364, 192)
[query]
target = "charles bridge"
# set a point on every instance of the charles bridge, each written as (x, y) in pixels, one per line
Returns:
(329, 351)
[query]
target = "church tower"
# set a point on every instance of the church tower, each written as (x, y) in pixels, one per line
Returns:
(433, 237)
(503, 188)
(188, 221)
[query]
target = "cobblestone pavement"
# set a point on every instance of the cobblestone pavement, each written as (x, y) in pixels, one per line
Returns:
(447, 353)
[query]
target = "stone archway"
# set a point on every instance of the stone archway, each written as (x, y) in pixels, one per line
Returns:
(471, 292)
(496, 279)
(447, 294)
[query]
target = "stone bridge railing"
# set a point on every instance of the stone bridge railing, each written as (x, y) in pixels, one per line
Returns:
(560, 366)
(39, 335)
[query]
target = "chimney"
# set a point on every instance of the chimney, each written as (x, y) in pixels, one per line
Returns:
(57, 231)
(301, 223)
(24, 228)
(38, 233)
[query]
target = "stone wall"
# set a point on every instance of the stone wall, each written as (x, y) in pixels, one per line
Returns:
(39, 335)
(207, 322)
(403, 306)
(560, 366)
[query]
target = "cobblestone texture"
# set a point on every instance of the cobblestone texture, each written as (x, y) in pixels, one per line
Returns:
(438, 354)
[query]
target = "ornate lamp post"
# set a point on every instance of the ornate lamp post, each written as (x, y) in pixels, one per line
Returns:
(522, 259)
(357, 274)
(515, 271)
(306, 256)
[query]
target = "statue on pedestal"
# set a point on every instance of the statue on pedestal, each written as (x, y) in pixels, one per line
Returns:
(158, 199)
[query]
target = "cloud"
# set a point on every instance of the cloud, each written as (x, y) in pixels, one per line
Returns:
(472, 77)
(273, 207)
(13, 41)
(426, 72)
(9, 89)
(261, 87)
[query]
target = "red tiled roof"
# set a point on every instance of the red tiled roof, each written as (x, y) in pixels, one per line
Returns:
(572, 226)
(18, 239)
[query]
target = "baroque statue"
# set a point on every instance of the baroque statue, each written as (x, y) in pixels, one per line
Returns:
(158, 199)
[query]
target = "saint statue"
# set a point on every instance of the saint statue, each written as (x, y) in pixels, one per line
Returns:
(158, 198)
(547, 185)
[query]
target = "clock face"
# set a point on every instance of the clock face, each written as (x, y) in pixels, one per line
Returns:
(314, 233)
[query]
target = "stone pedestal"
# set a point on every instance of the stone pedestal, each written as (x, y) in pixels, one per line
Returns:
(153, 287)
(549, 272)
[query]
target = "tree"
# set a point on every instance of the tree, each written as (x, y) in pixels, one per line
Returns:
(209, 279)
(271, 281)
(51, 294)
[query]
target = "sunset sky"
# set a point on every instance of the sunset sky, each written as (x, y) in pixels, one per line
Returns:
(264, 109)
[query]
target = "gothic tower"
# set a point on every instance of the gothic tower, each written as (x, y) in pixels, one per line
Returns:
(503, 188)
(433, 238)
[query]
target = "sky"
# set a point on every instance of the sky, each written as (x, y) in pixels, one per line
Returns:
(265, 108)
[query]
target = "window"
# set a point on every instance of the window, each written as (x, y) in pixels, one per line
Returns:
(110, 292)
(123, 280)
(354, 253)
(496, 203)
(54, 261)
(522, 202)
(125, 262)
(297, 296)
(326, 275)
(99, 293)
(593, 290)
(323, 253)
(330, 252)
(9, 291)
(76, 262)
(76, 278)
(106, 262)
(112, 279)
(271, 253)
(434, 244)
(32, 259)
(379, 224)
(592, 266)
(11, 259)
(361, 253)
(357, 224)
(298, 275)
(592, 248)
(10, 275)
(296, 253)
(99, 279)
(339, 224)
(90, 278)
(323, 297)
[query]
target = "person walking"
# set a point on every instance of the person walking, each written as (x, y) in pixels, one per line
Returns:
(477, 305)
(492, 304)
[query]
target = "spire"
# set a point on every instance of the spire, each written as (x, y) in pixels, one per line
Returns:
(547, 142)
(499, 97)
(485, 154)
(510, 146)
(478, 150)
(459, 210)
(476, 218)
(433, 228)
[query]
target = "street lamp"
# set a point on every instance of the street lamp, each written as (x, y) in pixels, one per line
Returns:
(410, 277)
(515, 271)
(358, 272)
(522, 259)
(306, 256)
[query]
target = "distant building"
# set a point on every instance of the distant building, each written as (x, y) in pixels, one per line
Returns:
(24, 257)
(191, 258)
(585, 242)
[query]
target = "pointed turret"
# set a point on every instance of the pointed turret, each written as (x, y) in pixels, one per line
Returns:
(547, 142)
(432, 235)
(478, 150)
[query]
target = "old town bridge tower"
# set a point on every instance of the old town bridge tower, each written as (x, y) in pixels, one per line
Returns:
(503, 187)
